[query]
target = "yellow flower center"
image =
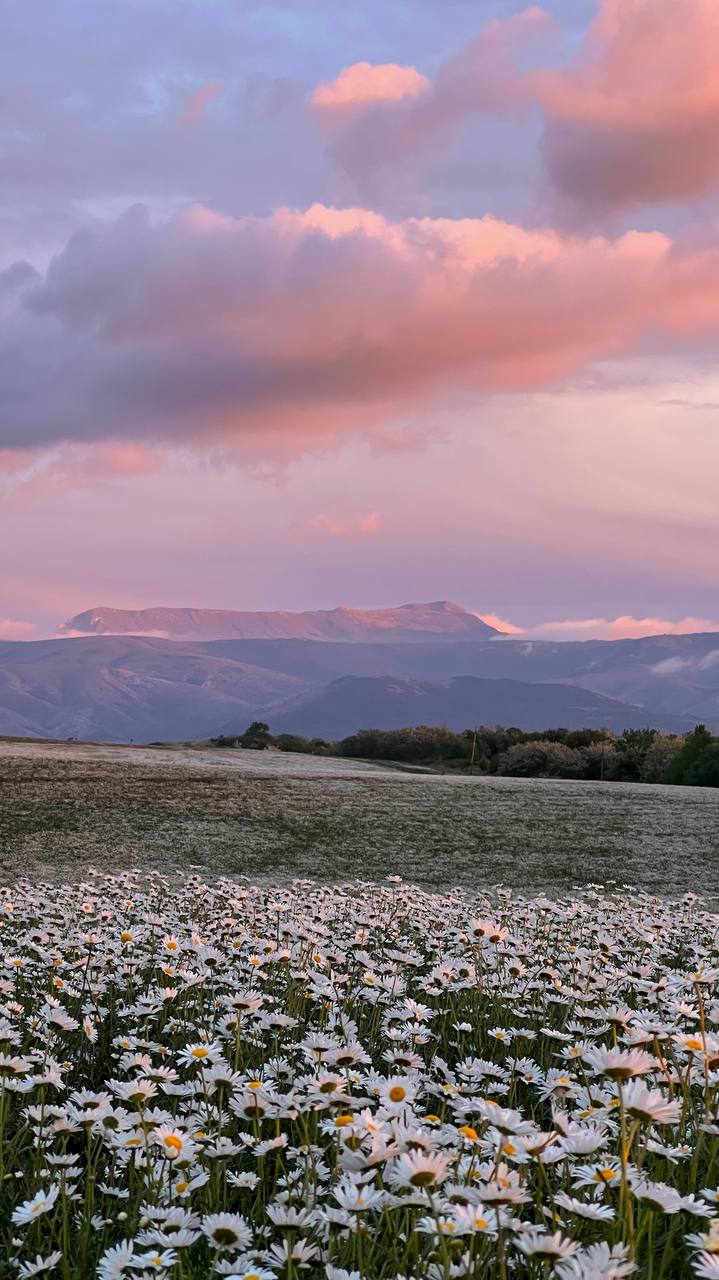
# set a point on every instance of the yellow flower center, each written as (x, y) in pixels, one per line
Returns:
(200, 1053)
(173, 1142)
(468, 1132)
(341, 1121)
(397, 1093)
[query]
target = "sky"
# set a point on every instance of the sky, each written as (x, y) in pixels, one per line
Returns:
(306, 304)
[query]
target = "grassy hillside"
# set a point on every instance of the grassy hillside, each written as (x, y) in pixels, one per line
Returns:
(268, 815)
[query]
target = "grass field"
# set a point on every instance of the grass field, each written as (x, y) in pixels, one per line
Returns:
(273, 816)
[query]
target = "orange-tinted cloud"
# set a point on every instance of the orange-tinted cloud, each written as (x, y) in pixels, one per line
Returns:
(634, 118)
(386, 117)
(500, 624)
(625, 627)
(300, 327)
(78, 467)
(364, 85)
(342, 526)
(14, 460)
(196, 105)
(11, 629)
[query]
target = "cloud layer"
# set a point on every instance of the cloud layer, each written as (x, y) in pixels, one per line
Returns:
(631, 118)
(622, 628)
(301, 326)
(634, 118)
(363, 85)
(11, 629)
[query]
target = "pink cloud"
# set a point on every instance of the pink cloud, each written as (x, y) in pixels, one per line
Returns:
(195, 107)
(331, 526)
(71, 467)
(14, 460)
(116, 460)
(370, 524)
(364, 85)
(11, 629)
(500, 624)
(394, 129)
(634, 118)
(290, 331)
(625, 627)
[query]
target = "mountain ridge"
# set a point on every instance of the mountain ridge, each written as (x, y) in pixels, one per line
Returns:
(407, 622)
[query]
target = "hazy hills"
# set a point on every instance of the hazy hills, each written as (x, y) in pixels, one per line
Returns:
(407, 622)
(119, 687)
(113, 688)
(390, 702)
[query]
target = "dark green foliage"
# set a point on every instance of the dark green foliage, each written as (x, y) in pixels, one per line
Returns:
(695, 744)
(704, 772)
(637, 755)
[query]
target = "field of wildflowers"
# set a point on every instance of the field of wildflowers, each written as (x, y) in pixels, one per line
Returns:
(270, 816)
(366, 1081)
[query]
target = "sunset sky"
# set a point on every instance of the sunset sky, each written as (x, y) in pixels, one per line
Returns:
(309, 303)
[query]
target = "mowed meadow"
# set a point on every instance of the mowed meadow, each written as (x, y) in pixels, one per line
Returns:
(268, 815)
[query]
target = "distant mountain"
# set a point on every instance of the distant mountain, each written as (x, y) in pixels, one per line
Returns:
(408, 622)
(389, 702)
(114, 688)
(671, 675)
(111, 689)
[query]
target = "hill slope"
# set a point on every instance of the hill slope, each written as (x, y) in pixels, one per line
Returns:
(407, 622)
(670, 675)
(115, 689)
(389, 702)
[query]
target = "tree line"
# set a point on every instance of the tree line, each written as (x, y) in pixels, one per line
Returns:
(637, 755)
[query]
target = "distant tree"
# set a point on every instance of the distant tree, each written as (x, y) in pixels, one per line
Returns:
(660, 756)
(694, 744)
(704, 772)
(422, 744)
(291, 742)
(599, 758)
(308, 746)
(541, 759)
(256, 736)
(583, 738)
(631, 749)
